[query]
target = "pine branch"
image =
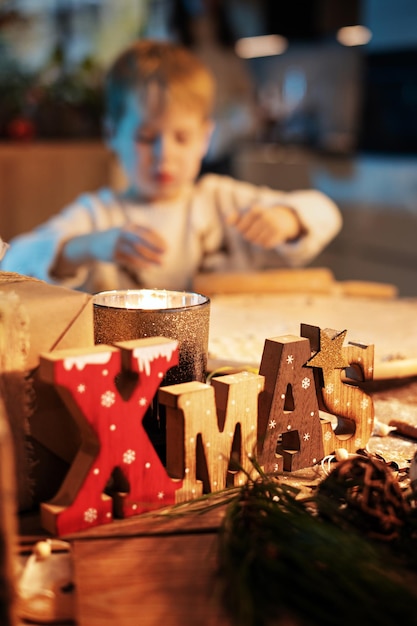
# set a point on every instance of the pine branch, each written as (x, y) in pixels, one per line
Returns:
(278, 561)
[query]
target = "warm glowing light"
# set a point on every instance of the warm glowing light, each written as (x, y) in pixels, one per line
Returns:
(148, 299)
(354, 35)
(262, 46)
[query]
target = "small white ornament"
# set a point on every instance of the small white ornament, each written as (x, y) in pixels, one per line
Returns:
(42, 550)
(341, 454)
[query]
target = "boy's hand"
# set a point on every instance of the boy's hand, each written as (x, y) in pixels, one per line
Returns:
(267, 226)
(139, 247)
(131, 246)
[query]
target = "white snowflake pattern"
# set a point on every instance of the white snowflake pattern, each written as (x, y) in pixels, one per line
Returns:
(306, 436)
(161, 495)
(90, 515)
(290, 359)
(364, 403)
(329, 389)
(142, 402)
(129, 456)
(81, 388)
(327, 435)
(108, 399)
(305, 383)
(272, 424)
(358, 442)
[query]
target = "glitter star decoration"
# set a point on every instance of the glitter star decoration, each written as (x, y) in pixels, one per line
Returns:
(330, 355)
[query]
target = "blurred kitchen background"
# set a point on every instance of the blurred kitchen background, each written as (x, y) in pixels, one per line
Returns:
(312, 93)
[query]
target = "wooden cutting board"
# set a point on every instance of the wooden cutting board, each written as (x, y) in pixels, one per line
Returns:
(147, 581)
(148, 570)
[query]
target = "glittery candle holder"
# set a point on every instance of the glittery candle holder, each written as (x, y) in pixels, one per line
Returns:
(122, 315)
(138, 313)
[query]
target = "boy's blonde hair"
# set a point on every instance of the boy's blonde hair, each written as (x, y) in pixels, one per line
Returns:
(177, 73)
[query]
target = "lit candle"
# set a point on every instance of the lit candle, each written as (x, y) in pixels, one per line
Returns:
(122, 315)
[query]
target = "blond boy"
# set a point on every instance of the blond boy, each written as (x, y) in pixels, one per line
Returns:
(168, 224)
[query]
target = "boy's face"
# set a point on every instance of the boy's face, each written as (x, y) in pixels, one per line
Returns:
(160, 150)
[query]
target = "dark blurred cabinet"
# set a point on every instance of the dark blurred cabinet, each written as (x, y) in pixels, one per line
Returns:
(39, 179)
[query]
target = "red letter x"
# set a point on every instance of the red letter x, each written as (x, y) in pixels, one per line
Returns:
(111, 429)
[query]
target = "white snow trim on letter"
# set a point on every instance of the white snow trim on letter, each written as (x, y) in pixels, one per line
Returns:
(87, 359)
(146, 354)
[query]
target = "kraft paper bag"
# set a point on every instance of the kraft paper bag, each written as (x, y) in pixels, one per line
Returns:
(36, 317)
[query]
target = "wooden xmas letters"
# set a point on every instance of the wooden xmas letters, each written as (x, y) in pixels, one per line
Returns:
(212, 431)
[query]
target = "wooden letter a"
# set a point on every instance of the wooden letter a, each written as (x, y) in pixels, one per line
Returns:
(289, 424)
